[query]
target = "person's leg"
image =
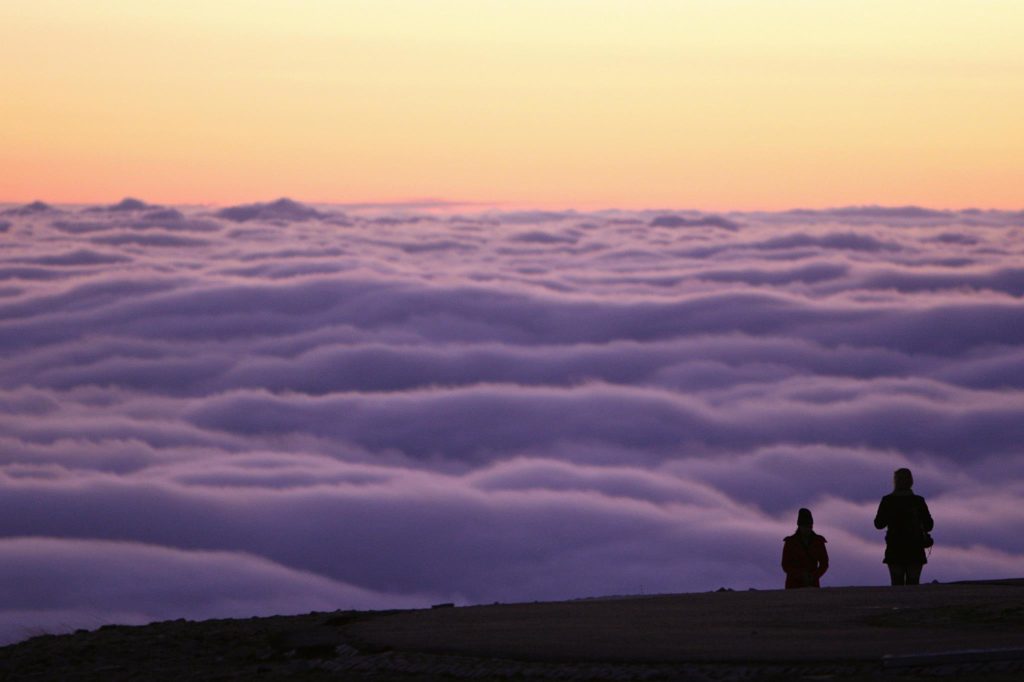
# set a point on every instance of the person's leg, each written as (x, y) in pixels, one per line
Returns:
(897, 574)
(913, 574)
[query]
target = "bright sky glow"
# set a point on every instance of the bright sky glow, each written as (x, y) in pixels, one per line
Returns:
(703, 103)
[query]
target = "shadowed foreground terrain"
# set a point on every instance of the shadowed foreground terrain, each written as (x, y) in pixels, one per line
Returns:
(959, 631)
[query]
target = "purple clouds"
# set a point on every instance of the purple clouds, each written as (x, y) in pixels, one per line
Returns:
(277, 408)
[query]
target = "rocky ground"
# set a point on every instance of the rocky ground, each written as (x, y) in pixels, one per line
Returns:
(962, 631)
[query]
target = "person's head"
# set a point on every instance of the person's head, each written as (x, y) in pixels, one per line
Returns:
(804, 519)
(902, 479)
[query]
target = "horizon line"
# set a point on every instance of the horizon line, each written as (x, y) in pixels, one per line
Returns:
(428, 203)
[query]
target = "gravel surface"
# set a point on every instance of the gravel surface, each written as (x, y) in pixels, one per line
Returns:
(963, 632)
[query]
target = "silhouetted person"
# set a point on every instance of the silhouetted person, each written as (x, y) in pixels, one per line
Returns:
(907, 518)
(804, 557)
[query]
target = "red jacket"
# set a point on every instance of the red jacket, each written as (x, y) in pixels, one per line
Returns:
(804, 565)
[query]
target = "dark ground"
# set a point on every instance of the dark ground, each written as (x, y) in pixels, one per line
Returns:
(964, 631)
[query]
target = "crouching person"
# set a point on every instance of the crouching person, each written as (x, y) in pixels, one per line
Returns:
(804, 557)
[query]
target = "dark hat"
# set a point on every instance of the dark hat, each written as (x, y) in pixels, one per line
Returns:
(804, 518)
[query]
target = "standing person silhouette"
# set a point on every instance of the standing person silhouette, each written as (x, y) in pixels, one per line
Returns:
(804, 557)
(907, 519)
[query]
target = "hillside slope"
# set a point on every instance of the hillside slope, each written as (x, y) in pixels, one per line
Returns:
(972, 631)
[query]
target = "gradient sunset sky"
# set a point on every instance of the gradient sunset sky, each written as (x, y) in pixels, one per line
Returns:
(711, 104)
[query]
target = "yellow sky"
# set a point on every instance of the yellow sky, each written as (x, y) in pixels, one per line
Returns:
(633, 103)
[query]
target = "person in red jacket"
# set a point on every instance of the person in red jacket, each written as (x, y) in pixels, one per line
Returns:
(804, 557)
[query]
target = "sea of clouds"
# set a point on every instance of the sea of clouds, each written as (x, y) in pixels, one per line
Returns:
(278, 408)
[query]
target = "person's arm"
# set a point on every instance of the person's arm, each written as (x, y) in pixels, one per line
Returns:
(822, 559)
(790, 563)
(926, 517)
(882, 516)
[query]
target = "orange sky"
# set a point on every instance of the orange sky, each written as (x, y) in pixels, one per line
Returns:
(591, 103)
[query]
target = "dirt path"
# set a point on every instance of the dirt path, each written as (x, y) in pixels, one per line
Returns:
(964, 632)
(853, 624)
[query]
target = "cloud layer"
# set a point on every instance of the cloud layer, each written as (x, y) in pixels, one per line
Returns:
(277, 407)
